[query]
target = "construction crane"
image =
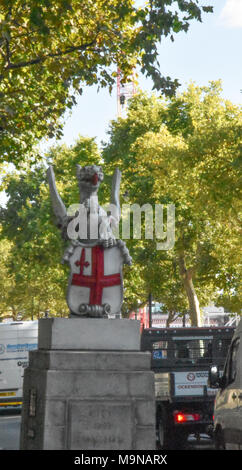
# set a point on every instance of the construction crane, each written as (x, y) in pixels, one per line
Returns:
(125, 91)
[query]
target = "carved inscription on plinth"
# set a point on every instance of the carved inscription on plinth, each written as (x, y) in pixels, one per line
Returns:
(100, 425)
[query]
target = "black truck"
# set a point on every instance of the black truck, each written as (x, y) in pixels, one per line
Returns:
(180, 359)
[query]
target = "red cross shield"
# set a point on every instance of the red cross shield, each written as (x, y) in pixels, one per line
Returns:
(96, 278)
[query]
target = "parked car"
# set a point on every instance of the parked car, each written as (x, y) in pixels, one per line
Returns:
(228, 402)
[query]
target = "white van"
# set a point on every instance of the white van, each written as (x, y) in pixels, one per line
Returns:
(16, 340)
(228, 402)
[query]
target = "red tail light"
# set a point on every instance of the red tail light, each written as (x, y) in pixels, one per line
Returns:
(180, 417)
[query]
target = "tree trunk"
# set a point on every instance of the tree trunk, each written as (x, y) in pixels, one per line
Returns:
(14, 313)
(170, 318)
(186, 275)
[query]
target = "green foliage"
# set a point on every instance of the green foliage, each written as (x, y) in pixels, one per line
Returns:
(183, 151)
(6, 281)
(32, 277)
(50, 50)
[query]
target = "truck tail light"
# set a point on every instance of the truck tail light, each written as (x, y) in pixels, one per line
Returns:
(181, 417)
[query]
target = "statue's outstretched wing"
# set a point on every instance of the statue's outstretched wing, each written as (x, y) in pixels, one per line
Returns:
(57, 203)
(115, 190)
(78, 170)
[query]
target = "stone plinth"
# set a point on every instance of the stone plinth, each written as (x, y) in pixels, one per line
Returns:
(90, 400)
(89, 334)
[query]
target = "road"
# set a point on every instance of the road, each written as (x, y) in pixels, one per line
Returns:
(203, 443)
(10, 421)
(10, 429)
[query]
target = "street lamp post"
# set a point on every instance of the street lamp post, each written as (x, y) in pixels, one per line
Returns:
(150, 310)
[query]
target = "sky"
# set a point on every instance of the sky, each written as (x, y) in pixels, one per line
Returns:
(210, 50)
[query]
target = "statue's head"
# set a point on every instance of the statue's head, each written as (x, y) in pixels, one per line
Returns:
(89, 177)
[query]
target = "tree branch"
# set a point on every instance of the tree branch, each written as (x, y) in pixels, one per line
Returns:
(186, 273)
(8, 52)
(39, 60)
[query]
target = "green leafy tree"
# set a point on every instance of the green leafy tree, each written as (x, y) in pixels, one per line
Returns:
(6, 280)
(32, 277)
(50, 50)
(183, 151)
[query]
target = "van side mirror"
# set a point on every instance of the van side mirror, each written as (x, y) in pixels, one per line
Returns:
(213, 377)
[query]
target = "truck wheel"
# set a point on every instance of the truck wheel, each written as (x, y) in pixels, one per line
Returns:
(169, 438)
(165, 432)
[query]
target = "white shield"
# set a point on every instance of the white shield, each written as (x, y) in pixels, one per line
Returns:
(95, 278)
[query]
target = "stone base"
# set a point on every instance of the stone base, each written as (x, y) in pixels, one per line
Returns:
(88, 400)
(89, 334)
